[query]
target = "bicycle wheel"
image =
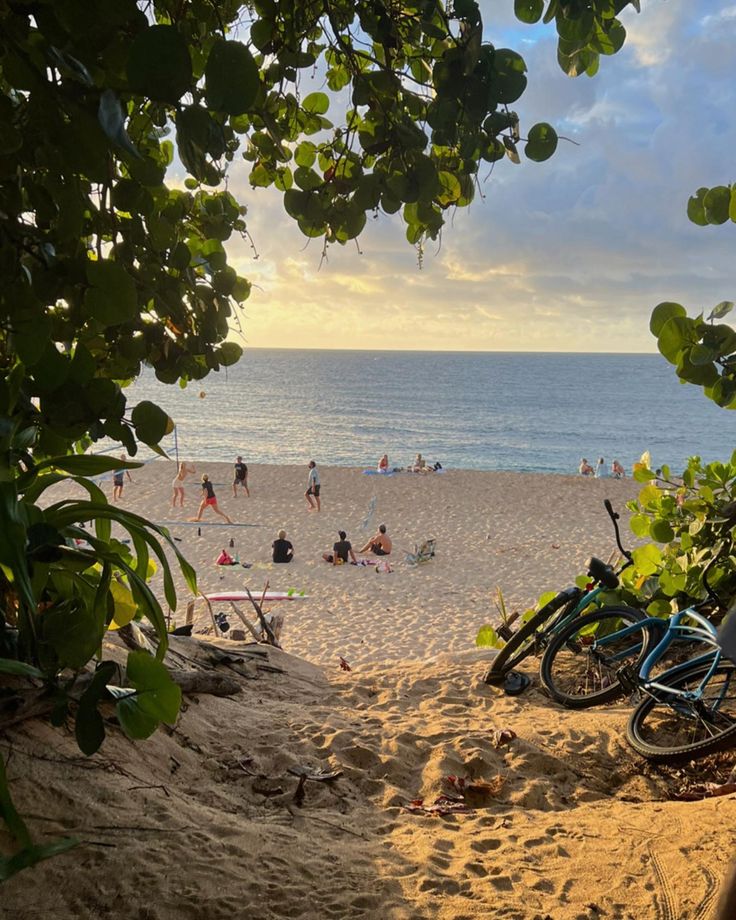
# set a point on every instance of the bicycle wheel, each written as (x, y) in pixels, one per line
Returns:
(581, 664)
(528, 638)
(665, 727)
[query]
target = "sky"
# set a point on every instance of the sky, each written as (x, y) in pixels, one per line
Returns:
(567, 255)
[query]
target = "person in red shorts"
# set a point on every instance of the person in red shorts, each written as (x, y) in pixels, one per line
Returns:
(209, 500)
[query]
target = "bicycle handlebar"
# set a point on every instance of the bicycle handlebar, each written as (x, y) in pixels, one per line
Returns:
(614, 516)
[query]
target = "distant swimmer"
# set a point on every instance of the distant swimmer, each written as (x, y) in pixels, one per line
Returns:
(209, 500)
(617, 471)
(241, 478)
(585, 469)
(182, 471)
(313, 488)
(380, 544)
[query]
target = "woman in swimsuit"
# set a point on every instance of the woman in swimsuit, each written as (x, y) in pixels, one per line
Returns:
(182, 470)
(209, 500)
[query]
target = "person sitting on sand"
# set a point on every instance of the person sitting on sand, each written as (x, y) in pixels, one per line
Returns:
(585, 469)
(182, 471)
(209, 500)
(617, 471)
(383, 464)
(283, 551)
(341, 551)
(419, 465)
(380, 544)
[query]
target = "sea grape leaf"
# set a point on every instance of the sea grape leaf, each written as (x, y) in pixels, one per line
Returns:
(159, 65)
(151, 423)
(232, 78)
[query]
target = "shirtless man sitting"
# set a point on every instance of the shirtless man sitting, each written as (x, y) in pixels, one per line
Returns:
(380, 544)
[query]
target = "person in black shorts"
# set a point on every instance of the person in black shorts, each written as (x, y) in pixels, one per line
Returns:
(380, 544)
(241, 477)
(283, 551)
(341, 551)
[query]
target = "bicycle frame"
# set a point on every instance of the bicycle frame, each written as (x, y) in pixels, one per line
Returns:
(673, 630)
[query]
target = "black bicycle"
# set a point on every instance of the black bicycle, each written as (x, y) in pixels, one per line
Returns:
(533, 637)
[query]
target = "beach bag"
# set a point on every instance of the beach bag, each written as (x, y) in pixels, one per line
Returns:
(224, 559)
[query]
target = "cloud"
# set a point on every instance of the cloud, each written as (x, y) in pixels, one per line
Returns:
(569, 255)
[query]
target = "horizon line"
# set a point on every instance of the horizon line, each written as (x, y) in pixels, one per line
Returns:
(453, 351)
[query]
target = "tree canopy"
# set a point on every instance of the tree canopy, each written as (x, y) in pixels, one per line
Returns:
(110, 262)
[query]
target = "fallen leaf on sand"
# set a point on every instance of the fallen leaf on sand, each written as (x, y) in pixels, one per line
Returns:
(344, 666)
(503, 737)
(443, 805)
(704, 791)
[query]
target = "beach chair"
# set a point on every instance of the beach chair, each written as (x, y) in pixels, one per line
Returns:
(422, 553)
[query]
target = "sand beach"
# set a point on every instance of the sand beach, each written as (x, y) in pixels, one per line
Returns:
(203, 820)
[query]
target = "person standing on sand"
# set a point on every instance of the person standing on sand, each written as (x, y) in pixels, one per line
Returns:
(209, 500)
(283, 551)
(600, 469)
(380, 544)
(118, 481)
(241, 478)
(313, 488)
(182, 471)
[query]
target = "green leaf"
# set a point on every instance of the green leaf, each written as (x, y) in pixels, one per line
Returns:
(696, 208)
(111, 298)
(89, 727)
(232, 78)
(675, 335)
(716, 203)
(15, 824)
(723, 308)
(150, 422)
(529, 11)
(316, 103)
(663, 312)
(662, 532)
(32, 855)
(647, 559)
(19, 668)
(159, 65)
(154, 696)
(639, 525)
(541, 143)
(659, 608)
(488, 638)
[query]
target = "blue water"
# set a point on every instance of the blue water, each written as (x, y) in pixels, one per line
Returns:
(489, 411)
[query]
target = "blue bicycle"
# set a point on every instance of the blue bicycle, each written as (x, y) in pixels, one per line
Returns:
(686, 709)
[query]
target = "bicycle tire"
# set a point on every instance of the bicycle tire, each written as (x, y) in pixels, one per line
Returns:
(569, 662)
(519, 645)
(652, 724)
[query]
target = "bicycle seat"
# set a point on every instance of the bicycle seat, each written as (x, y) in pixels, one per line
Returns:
(601, 572)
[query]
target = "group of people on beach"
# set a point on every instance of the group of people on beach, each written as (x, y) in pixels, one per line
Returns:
(420, 465)
(599, 471)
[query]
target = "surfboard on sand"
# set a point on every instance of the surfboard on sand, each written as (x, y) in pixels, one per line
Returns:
(240, 596)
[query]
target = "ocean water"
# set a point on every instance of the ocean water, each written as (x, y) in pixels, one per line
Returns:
(487, 411)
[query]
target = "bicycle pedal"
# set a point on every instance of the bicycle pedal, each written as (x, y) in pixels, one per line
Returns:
(628, 679)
